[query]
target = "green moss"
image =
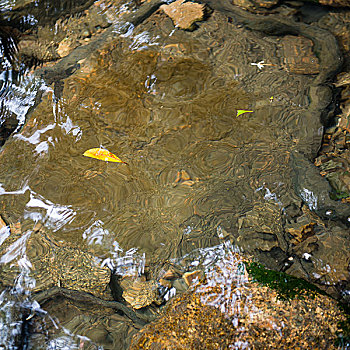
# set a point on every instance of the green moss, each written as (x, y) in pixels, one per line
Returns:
(287, 287)
(337, 195)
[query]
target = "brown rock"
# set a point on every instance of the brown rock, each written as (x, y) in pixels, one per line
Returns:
(266, 3)
(253, 4)
(182, 175)
(165, 283)
(336, 3)
(343, 79)
(261, 228)
(2, 223)
(246, 4)
(301, 234)
(235, 310)
(54, 264)
(193, 277)
(170, 274)
(184, 14)
(138, 292)
(298, 55)
(65, 47)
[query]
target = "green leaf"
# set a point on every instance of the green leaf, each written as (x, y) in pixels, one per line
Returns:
(242, 111)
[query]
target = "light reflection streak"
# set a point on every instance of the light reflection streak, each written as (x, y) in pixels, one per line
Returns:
(4, 233)
(142, 41)
(16, 249)
(227, 286)
(35, 138)
(95, 233)
(21, 98)
(66, 125)
(130, 263)
(56, 215)
(7, 5)
(23, 190)
(9, 327)
(124, 29)
(269, 195)
(309, 198)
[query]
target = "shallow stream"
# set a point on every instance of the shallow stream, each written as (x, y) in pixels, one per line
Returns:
(165, 101)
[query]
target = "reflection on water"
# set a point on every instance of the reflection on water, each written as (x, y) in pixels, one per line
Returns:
(17, 96)
(164, 101)
(142, 203)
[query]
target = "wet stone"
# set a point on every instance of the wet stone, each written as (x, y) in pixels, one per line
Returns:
(266, 3)
(261, 228)
(225, 312)
(180, 285)
(53, 264)
(165, 283)
(335, 3)
(343, 79)
(255, 5)
(138, 292)
(193, 277)
(184, 14)
(44, 44)
(298, 55)
(303, 233)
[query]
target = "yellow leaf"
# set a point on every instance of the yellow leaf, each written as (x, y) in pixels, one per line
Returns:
(242, 111)
(102, 154)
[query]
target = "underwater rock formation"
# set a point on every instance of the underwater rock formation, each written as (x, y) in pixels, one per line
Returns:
(230, 310)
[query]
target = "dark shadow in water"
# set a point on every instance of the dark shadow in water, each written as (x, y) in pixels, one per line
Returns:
(14, 22)
(9, 38)
(46, 11)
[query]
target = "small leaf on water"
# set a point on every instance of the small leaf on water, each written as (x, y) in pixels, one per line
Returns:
(102, 154)
(242, 111)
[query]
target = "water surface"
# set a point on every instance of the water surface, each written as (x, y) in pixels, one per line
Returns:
(164, 101)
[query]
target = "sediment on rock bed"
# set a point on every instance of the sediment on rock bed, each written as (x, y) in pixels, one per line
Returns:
(221, 315)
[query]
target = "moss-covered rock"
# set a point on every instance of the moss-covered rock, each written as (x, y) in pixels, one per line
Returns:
(232, 310)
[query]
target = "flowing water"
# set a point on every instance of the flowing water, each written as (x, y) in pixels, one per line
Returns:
(165, 101)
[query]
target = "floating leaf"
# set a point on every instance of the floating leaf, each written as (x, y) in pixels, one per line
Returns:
(242, 111)
(102, 154)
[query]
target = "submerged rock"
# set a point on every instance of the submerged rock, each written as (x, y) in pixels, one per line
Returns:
(261, 228)
(232, 311)
(184, 14)
(298, 55)
(336, 3)
(253, 4)
(48, 263)
(138, 292)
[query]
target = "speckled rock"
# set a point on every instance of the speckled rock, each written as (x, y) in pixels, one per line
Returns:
(184, 14)
(138, 292)
(234, 312)
(298, 55)
(49, 263)
(336, 3)
(253, 4)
